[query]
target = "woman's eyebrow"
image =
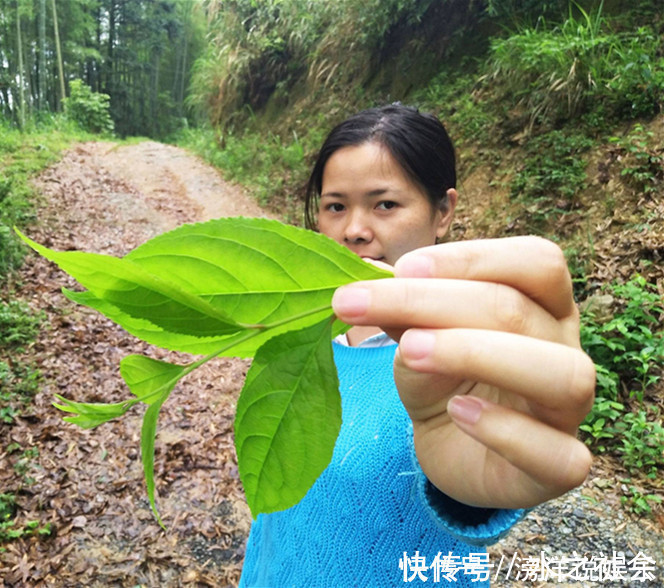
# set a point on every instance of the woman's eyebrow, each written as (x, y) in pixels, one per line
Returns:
(372, 193)
(379, 192)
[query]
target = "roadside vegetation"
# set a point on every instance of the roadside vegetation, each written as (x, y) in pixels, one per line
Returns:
(23, 155)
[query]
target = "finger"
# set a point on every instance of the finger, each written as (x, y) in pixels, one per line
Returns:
(556, 381)
(553, 460)
(442, 303)
(531, 265)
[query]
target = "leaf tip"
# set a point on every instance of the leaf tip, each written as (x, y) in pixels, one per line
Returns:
(157, 516)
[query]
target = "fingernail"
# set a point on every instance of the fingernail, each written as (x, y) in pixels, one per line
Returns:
(414, 266)
(351, 301)
(465, 409)
(416, 344)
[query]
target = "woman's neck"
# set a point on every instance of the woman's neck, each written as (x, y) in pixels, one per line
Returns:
(358, 334)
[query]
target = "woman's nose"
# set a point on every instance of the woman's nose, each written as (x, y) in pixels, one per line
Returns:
(358, 228)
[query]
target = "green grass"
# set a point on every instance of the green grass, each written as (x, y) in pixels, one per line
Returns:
(22, 156)
(557, 72)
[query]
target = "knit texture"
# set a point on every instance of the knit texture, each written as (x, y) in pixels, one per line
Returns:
(371, 505)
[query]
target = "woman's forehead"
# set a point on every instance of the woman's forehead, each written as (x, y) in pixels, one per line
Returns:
(366, 160)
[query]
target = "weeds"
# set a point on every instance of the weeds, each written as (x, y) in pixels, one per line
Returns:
(639, 502)
(19, 380)
(8, 527)
(18, 324)
(466, 114)
(643, 166)
(628, 351)
(630, 345)
(559, 72)
(552, 173)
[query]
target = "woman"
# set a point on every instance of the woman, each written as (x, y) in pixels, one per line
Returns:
(470, 418)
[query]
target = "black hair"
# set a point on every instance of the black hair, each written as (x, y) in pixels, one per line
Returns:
(417, 141)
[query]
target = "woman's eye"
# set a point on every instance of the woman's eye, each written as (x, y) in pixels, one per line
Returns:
(335, 207)
(386, 205)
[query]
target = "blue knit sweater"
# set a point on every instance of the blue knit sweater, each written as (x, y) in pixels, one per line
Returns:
(372, 513)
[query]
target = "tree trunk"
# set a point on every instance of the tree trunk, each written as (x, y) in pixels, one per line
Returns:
(58, 52)
(21, 89)
(185, 48)
(109, 67)
(41, 56)
(154, 94)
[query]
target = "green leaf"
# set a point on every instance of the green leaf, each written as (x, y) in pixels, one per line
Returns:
(288, 418)
(148, 435)
(146, 376)
(180, 290)
(236, 345)
(90, 414)
(152, 381)
(260, 272)
(136, 292)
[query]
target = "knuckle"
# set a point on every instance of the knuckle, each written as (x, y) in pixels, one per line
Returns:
(468, 355)
(411, 304)
(582, 383)
(551, 258)
(510, 310)
(408, 302)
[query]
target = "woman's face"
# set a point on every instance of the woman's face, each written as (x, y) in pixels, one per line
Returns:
(370, 205)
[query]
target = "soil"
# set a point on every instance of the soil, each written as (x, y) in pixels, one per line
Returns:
(88, 484)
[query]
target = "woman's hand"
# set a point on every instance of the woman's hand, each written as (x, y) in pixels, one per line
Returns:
(489, 366)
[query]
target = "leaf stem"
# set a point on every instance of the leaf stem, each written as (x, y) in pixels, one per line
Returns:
(297, 317)
(193, 366)
(252, 332)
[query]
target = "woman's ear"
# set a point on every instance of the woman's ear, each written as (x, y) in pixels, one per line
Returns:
(447, 206)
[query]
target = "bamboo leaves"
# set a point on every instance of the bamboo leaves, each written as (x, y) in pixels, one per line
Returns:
(246, 287)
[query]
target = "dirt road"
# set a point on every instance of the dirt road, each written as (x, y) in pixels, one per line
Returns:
(88, 484)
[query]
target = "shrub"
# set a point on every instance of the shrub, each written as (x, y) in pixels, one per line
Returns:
(631, 343)
(90, 110)
(643, 165)
(637, 86)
